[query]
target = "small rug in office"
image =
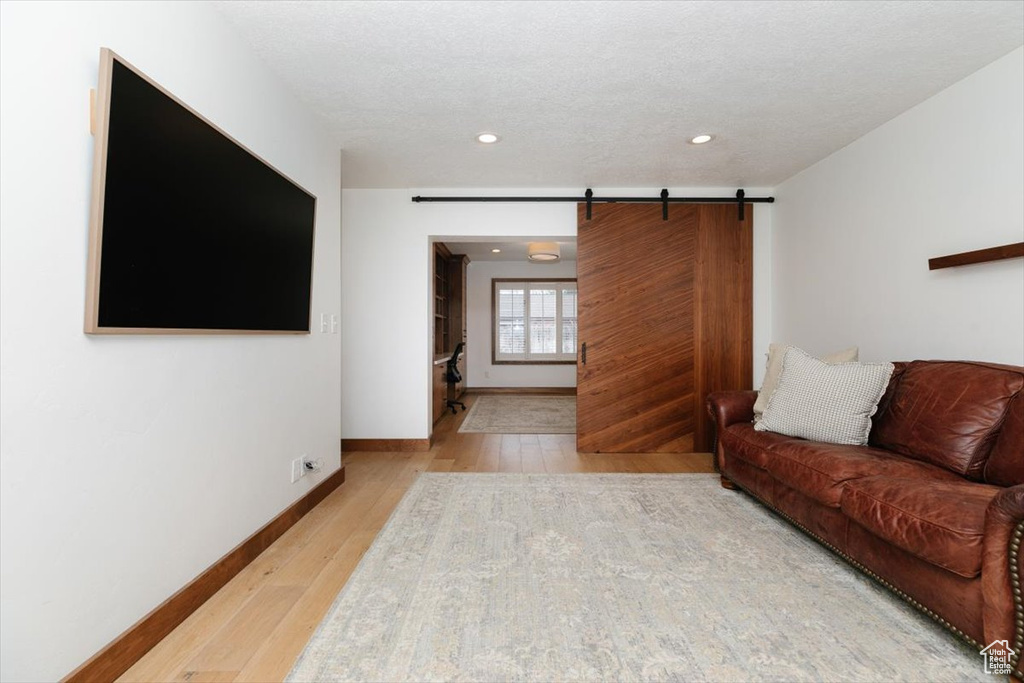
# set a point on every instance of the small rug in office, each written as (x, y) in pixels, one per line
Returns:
(521, 415)
(613, 577)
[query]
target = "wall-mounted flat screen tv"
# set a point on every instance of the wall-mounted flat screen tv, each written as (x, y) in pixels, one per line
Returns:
(190, 232)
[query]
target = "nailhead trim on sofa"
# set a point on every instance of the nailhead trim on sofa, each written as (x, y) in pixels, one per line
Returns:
(1015, 557)
(1018, 604)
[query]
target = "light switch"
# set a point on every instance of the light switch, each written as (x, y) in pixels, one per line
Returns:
(334, 324)
(323, 322)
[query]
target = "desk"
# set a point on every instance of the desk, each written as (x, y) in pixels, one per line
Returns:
(439, 385)
(440, 388)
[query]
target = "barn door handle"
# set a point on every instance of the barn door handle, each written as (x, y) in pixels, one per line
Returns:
(583, 352)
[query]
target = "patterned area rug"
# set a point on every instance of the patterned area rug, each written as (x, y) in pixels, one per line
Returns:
(587, 577)
(521, 415)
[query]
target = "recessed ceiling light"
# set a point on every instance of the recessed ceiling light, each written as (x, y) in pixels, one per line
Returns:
(701, 139)
(487, 138)
(495, 251)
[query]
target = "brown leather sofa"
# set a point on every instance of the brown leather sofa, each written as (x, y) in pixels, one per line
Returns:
(932, 507)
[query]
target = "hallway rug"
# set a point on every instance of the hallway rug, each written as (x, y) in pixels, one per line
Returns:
(625, 577)
(521, 415)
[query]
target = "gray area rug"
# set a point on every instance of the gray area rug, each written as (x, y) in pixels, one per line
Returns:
(624, 577)
(521, 415)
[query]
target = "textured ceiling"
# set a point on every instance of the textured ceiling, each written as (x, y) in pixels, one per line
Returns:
(608, 93)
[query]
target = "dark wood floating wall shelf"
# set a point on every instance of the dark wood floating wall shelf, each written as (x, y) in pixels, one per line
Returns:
(980, 256)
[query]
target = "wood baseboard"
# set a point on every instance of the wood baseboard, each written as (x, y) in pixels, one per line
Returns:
(555, 391)
(386, 445)
(129, 647)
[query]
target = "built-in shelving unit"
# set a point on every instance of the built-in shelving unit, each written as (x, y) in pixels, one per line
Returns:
(449, 321)
(442, 295)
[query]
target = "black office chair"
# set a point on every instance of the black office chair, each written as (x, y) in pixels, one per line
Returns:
(453, 376)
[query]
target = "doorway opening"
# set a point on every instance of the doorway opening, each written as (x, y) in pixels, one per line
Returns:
(514, 315)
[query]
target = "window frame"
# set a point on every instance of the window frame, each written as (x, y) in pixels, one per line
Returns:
(528, 282)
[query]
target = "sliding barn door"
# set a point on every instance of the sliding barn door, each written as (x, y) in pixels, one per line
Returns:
(723, 326)
(665, 312)
(635, 276)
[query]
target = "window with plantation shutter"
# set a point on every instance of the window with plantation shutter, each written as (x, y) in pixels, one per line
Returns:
(534, 321)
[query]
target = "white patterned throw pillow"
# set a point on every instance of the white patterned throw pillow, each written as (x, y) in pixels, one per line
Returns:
(825, 402)
(773, 368)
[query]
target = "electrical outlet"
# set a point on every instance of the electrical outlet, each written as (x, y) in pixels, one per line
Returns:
(312, 464)
(298, 471)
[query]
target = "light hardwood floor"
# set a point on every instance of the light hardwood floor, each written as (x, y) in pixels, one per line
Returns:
(255, 627)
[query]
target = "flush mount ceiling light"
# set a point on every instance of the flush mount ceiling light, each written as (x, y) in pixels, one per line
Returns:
(701, 139)
(495, 251)
(543, 252)
(487, 138)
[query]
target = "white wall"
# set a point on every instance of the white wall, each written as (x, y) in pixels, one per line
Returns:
(480, 372)
(131, 463)
(853, 233)
(386, 293)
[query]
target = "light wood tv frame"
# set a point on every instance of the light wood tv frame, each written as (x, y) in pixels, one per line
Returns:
(100, 120)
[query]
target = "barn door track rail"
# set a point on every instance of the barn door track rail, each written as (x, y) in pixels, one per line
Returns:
(589, 199)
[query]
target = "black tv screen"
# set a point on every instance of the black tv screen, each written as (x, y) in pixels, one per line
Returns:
(190, 231)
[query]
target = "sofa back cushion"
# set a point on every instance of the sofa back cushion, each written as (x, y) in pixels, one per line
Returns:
(1005, 466)
(948, 413)
(898, 368)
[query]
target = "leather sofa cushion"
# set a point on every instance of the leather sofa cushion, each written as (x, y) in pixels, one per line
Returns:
(742, 441)
(898, 368)
(1005, 466)
(820, 470)
(941, 522)
(949, 596)
(947, 413)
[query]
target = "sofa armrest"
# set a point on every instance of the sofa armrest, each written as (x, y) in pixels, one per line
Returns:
(726, 408)
(730, 407)
(1002, 567)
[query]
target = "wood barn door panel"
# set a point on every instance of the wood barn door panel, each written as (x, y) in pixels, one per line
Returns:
(635, 273)
(724, 309)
